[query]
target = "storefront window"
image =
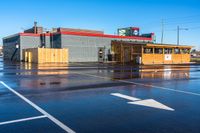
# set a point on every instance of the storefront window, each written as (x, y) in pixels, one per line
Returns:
(148, 50)
(158, 51)
(177, 51)
(168, 51)
(186, 51)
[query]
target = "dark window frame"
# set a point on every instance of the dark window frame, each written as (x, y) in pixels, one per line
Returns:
(148, 51)
(169, 51)
(183, 50)
(177, 52)
(157, 51)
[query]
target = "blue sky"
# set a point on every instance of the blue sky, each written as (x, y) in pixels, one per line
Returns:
(107, 15)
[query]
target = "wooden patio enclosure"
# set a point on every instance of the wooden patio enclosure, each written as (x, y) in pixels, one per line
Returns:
(126, 53)
(45, 55)
(129, 52)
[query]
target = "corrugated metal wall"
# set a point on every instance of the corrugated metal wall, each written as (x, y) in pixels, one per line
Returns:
(28, 42)
(56, 41)
(9, 46)
(81, 48)
(84, 49)
(47, 42)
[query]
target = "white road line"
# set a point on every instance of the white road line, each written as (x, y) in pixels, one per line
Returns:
(141, 84)
(125, 97)
(21, 120)
(56, 121)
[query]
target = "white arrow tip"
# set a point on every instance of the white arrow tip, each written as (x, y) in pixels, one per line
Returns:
(152, 103)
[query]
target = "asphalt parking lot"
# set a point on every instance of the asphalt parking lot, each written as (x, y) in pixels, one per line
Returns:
(99, 98)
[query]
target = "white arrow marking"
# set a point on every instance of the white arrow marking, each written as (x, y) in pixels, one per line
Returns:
(152, 103)
(125, 97)
(148, 102)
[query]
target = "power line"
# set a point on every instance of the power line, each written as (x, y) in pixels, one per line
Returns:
(175, 21)
(184, 17)
(194, 28)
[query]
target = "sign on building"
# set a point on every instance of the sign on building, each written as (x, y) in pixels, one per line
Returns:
(130, 31)
(168, 57)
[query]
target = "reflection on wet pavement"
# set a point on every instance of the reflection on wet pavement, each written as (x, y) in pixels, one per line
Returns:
(77, 95)
(64, 75)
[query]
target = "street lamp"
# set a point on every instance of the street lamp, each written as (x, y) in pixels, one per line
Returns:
(178, 33)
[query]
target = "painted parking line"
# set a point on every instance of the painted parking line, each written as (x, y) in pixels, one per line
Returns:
(141, 84)
(24, 119)
(52, 118)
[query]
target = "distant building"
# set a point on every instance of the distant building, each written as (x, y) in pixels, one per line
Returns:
(84, 45)
(1, 50)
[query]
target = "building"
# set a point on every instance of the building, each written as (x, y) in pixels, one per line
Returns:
(149, 53)
(1, 50)
(83, 45)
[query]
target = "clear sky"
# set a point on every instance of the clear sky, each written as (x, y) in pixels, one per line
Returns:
(107, 15)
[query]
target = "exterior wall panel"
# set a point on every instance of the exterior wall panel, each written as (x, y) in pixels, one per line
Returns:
(56, 41)
(85, 48)
(47, 42)
(81, 48)
(9, 47)
(28, 42)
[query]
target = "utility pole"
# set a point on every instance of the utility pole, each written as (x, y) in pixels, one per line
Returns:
(162, 31)
(178, 30)
(178, 34)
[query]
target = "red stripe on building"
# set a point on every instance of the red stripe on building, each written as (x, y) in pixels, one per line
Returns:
(90, 35)
(106, 35)
(29, 34)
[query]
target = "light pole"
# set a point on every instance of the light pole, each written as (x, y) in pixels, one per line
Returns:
(178, 33)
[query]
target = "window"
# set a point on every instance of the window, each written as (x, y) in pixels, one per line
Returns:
(186, 51)
(148, 50)
(158, 51)
(168, 51)
(177, 51)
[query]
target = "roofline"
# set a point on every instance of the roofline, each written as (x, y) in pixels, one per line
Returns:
(129, 42)
(149, 44)
(22, 34)
(14, 35)
(167, 45)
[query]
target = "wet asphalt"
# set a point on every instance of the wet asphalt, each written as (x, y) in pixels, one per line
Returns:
(79, 96)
